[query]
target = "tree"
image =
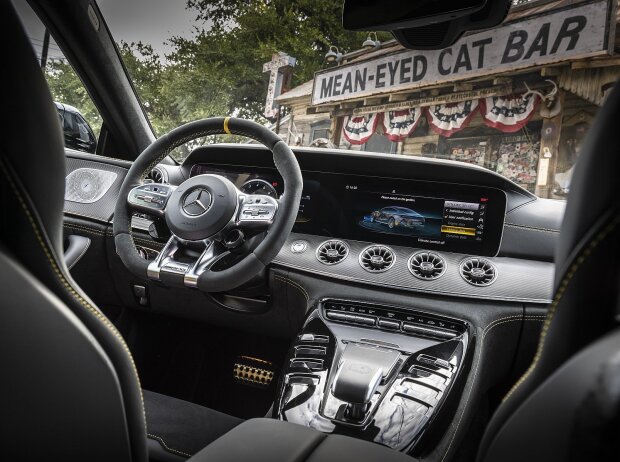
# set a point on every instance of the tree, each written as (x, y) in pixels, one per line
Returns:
(243, 34)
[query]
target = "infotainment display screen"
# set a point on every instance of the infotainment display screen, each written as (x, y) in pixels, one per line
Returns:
(455, 218)
(422, 214)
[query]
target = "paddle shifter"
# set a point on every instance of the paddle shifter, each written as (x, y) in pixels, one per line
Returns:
(360, 372)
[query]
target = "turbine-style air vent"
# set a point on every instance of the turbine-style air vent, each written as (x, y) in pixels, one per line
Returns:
(377, 258)
(426, 265)
(332, 252)
(156, 176)
(478, 272)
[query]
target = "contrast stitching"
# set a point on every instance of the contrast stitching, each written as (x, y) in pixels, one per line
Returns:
(487, 329)
(560, 293)
(533, 228)
(161, 441)
(106, 233)
(81, 228)
(293, 284)
(65, 283)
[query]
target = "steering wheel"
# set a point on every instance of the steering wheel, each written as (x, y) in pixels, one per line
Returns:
(207, 215)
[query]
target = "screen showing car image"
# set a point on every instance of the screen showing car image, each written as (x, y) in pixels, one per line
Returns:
(421, 221)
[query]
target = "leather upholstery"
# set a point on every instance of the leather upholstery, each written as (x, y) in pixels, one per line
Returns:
(266, 440)
(60, 398)
(32, 171)
(586, 300)
(574, 415)
(181, 429)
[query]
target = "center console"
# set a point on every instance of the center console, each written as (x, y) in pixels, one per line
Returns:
(378, 373)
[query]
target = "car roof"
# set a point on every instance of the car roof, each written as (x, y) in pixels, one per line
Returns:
(67, 107)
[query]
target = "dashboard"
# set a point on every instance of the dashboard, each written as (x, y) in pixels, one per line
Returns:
(428, 215)
(394, 222)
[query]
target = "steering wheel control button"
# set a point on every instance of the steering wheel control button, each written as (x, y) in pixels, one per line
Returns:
(150, 201)
(258, 210)
(299, 246)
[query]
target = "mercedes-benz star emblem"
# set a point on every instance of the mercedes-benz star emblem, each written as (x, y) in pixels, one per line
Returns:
(197, 202)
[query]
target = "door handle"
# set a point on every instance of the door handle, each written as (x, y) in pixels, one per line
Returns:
(78, 245)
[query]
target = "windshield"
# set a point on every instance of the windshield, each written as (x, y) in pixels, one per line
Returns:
(518, 99)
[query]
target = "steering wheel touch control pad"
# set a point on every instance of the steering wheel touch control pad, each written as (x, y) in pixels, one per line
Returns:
(257, 210)
(150, 198)
(201, 207)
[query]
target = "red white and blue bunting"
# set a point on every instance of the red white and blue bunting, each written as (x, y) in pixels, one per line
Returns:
(508, 113)
(447, 119)
(358, 129)
(398, 125)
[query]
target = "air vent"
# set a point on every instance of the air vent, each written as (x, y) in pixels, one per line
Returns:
(478, 272)
(377, 258)
(157, 176)
(426, 265)
(332, 252)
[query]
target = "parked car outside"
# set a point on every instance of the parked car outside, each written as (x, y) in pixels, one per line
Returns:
(77, 132)
(398, 216)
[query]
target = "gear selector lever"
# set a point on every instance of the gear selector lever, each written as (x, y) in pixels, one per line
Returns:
(361, 370)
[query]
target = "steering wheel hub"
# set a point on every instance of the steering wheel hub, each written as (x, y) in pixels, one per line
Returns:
(201, 207)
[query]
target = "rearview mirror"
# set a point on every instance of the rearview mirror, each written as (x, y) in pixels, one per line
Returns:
(399, 14)
(424, 25)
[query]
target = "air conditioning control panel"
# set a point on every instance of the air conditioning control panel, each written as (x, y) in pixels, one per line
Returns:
(398, 320)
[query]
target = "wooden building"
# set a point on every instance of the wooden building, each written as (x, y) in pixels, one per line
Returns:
(517, 99)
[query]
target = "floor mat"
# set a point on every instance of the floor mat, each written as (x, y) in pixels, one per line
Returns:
(196, 362)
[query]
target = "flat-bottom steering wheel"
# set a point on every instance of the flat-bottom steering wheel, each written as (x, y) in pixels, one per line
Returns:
(207, 214)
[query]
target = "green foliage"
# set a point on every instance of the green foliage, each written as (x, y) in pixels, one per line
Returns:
(244, 34)
(218, 71)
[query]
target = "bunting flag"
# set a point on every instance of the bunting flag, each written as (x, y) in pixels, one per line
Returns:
(508, 113)
(398, 125)
(447, 119)
(358, 129)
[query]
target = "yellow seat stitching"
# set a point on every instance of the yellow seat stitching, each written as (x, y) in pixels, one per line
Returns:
(293, 284)
(63, 280)
(486, 330)
(161, 441)
(560, 293)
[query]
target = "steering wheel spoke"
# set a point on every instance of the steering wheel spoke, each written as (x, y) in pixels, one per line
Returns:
(150, 198)
(256, 211)
(211, 254)
(185, 261)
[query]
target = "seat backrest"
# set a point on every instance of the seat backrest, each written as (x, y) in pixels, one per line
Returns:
(32, 185)
(586, 300)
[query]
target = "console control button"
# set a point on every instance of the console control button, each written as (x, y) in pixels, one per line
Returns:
(389, 324)
(307, 364)
(433, 361)
(366, 320)
(427, 377)
(313, 338)
(299, 246)
(417, 329)
(418, 391)
(338, 316)
(303, 350)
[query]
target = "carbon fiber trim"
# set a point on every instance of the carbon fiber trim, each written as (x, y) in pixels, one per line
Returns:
(518, 280)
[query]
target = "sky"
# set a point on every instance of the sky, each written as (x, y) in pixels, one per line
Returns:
(149, 21)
